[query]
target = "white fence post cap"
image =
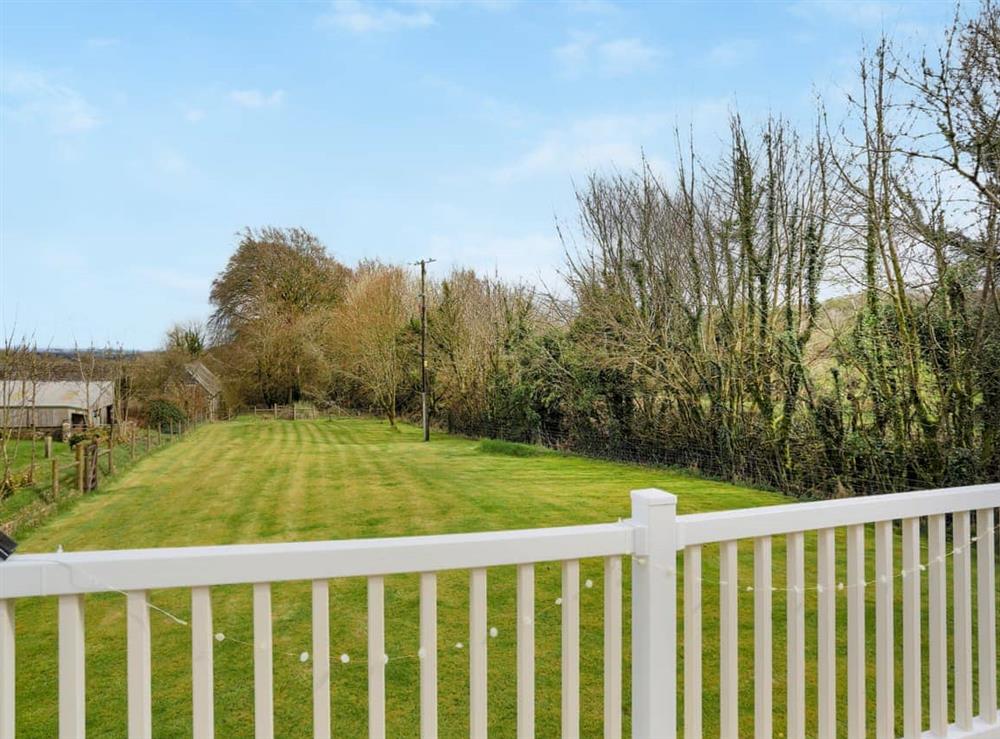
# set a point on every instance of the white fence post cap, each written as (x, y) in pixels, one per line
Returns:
(653, 497)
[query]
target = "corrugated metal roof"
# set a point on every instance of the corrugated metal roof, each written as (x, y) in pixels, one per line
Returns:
(204, 377)
(58, 394)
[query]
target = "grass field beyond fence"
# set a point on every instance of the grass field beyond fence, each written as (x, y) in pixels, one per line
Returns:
(254, 481)
(35, 502)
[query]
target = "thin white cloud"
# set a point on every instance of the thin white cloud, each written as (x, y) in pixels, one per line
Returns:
(479, 104)
(862, 13)
(586, 53)
(732, 53)
(172, 279)
(530, 257)
(64, 260)
(194, 115)
(573, 56)
(360, 17)
(488, 5)
(593, 7)
(256, 98)
(102, 42)
(609, 141)
(586, 144)
(627, 55)
(36, 97)
(171, 162)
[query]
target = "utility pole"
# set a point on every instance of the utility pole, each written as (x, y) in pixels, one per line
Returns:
(423, 345)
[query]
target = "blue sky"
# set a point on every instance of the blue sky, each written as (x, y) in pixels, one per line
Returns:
(137, 139)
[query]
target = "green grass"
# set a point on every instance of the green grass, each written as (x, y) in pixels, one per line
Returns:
(266, 481)
(510, 448)
(21, 457)
(32, 503)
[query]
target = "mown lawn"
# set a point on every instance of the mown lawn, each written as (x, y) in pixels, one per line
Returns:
(268, 481)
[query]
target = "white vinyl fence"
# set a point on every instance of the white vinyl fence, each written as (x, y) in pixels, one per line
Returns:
(653, 538)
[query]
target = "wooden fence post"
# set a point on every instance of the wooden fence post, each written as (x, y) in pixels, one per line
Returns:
(55, 478)
(111, 452)
(275, 411)
(79, 467)
(91, 467)
(654, 615)
(159, 436)
(48, 447)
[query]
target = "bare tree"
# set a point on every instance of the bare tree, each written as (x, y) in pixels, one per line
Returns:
(368, 340)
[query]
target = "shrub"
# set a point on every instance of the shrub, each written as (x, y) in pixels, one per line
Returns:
(509, 448)
(88, 436)
(161, 412)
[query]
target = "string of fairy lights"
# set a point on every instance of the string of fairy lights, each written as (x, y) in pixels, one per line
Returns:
(345, 659)
(840, 585)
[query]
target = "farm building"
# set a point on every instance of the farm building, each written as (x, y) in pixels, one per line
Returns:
(202, 390)
(48, 405)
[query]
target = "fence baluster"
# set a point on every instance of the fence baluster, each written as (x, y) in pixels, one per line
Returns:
(827, 633)
(986, 598)
(962, 626)
(202, 659)
(763, 655)
(140, 676)
(856, 712)
(6, 669)
(321, 658)
(692, 643)
(796, 646)
(263, 662)
(72, 683)
(376, 658)
(525, 651)
(937, 624)
(570, 649)
(729, 689)
(477, 654)
(428, 656)
(885, 658)
(612, 647)
(912, 677)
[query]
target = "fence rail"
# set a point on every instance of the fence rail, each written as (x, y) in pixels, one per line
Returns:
(285, 412)
(655, 538)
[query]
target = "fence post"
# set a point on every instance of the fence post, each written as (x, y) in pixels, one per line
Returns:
(55, 478)
(654, 615)
(48, 447)
(111, 452)
(79, 467)
(91, 467)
